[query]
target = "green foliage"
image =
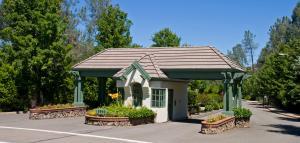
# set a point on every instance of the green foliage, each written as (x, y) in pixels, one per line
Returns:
(122, 111)
(91, 91)
(8, 92)
(192, 97)
(165, 38)
(113, 29)
(238, 54)
(209, 107)
(33, 35)
(242, 113)
(278, 79)
(205, 93)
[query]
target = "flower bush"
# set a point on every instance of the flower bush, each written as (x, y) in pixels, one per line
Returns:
(122, 111)
(242, 113)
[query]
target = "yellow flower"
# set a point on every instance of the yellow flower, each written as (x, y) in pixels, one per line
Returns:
(114, 95)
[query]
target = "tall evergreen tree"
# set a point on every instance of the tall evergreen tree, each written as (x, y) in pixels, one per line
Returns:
(113, 29)
(238, 54)
(33, 33)
(165, 38)
(249, 46)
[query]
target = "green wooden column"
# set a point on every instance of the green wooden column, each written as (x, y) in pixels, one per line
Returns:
(78, 94)
(228, 90)
(235, 95)
(102, 90)
(239, 95)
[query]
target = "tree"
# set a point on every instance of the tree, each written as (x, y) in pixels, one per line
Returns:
(33, 35)
(238, 54)
(8, 93)
(279, 32)
(249, 45)
(165, 38)
(113, 29)
(134, 45)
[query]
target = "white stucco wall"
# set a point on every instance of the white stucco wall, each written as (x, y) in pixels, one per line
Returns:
(179, 97)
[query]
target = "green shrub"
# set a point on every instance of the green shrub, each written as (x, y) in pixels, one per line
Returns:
(192, 97)
(221, 105)
(122, 111)
(215, 105)
(213, 97)
(209, 107)
(247, 97)
(242, 113)
(203, 99)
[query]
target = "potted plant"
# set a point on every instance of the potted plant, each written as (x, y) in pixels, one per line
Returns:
(242, 117)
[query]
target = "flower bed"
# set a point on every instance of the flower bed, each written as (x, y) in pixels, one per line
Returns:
(217, 124)
(242, 117)
(56, 111)
(119, 116)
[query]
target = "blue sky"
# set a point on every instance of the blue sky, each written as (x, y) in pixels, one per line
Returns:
(219, 23)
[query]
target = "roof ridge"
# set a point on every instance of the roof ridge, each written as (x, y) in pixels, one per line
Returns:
(156, 67)
(217, 52)
(206, 46)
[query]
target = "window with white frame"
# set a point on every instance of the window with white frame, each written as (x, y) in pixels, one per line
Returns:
(158, 98)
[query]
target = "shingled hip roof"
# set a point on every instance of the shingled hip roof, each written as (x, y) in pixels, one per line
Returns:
(155, 60)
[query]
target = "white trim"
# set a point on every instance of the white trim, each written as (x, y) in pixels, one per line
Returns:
(74, 134)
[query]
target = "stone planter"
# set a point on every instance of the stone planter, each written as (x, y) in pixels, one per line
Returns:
(116, 121)
(242, 122)
(38, 114)
(217, 127)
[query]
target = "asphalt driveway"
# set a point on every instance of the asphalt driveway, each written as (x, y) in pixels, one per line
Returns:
(265, 127)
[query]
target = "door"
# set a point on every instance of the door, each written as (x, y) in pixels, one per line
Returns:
(137, 94)
(170, 104)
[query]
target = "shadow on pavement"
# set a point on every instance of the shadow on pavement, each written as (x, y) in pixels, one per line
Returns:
(285, 129)
(289, 119)
(192, 121)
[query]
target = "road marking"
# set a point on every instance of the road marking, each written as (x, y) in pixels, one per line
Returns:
(74, 134)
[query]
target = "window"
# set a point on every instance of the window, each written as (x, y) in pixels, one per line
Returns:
(137, 94)
(158, 98)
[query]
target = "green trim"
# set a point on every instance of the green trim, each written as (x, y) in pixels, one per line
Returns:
(133, 66)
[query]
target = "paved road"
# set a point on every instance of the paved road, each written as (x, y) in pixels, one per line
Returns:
(265, 127)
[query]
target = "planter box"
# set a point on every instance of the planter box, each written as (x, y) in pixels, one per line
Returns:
(116, 121)
(217, 127)
(242, 122)
(38, 114)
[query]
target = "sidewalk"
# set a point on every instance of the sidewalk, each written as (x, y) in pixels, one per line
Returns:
(278, 111)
